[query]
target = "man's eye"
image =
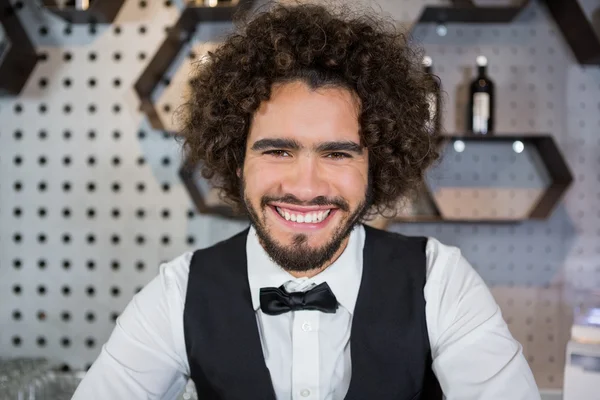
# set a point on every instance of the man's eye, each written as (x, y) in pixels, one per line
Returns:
(277, 153)
(338, 155)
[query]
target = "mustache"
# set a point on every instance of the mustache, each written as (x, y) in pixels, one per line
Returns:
(337, 202)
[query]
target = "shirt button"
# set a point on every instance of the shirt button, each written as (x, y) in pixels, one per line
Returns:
(305, 393)
(306, 327)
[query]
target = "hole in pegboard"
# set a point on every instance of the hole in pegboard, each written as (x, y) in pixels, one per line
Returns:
(90, 317)
(41, 341)
(17, 289)
(114, 316)
(65, 316)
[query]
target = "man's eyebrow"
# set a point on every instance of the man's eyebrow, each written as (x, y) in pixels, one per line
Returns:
(291, 144)
(278, 143)
(344, 145)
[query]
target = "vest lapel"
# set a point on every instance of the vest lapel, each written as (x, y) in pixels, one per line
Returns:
(389, 337)
(222, 338)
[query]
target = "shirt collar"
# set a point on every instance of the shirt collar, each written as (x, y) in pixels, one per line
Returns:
(343, 276)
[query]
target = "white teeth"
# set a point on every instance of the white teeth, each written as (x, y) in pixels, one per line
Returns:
(312, 217)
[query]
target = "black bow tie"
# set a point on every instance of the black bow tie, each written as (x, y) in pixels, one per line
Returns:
(276, 301)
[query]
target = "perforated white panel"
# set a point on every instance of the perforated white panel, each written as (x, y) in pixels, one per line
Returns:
(90, 200)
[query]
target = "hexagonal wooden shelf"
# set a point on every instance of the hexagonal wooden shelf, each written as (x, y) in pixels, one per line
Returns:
(508, 204)
(17, 53)
(580, 26)
(178, 36)
(205, 198)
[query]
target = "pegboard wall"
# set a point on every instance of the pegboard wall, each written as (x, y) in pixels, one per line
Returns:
(90, 200)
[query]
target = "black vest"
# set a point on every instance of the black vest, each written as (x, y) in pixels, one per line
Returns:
(389, 345)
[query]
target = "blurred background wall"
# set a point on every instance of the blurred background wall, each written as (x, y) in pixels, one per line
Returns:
(91, 202)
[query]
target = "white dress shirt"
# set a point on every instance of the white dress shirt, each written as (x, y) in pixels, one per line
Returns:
(308, 352)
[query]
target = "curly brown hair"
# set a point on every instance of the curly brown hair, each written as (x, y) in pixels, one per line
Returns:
(320, 46)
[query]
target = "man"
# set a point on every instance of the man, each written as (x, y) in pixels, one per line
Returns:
(312, 121)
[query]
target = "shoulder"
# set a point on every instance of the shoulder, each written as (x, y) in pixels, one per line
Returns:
(174, 273)
(443, 259)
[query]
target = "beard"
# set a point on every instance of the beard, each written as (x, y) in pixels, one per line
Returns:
(299, 256)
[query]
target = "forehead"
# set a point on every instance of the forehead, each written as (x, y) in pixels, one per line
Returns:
(295, 110)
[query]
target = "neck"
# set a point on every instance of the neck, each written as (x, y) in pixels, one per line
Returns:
(317, 271)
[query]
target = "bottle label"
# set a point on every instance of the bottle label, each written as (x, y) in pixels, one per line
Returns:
(432, 101)
(481, 112)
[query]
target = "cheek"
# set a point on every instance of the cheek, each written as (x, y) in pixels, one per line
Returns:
(350, 184)
(261, 180)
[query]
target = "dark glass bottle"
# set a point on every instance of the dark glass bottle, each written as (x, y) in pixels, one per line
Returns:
(434, 122)
(481, 101)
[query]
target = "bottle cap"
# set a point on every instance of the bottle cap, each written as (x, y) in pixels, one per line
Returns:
(481, 61)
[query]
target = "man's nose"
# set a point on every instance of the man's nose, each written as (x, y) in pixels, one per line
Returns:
(306, 179)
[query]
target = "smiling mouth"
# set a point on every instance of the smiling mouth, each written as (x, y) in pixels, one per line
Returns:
(310, 217)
